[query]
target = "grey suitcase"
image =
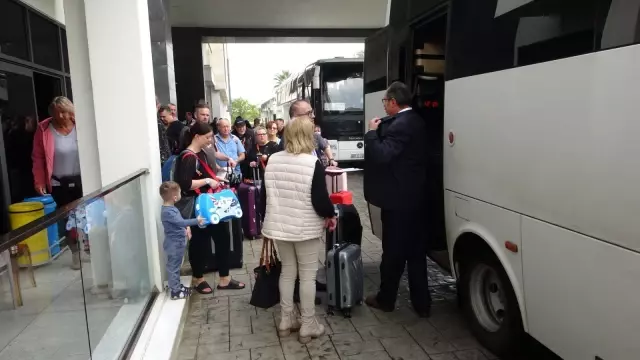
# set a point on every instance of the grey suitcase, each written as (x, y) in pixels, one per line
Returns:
(345, 278)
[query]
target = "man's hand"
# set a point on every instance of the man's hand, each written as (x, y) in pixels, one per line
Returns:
(330, 223)
(333, 163)
(373, 123)
(200, 220)
(253, 164)
(232, 163)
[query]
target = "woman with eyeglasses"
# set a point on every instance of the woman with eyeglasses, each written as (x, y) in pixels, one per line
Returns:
(259, 153)
(272, 132)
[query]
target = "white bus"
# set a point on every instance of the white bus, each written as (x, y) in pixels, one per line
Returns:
(536, 126)
(334, 88)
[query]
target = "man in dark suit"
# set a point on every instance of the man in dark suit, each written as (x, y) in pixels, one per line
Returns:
(395, 181)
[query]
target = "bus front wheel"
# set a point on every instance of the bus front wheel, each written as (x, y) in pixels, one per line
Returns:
(490, 305)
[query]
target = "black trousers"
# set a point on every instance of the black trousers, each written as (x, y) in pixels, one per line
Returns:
(404, 243)
(200, 252)
(63, 195)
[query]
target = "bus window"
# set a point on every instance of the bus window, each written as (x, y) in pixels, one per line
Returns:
(618, 23)
(485, 38)
(342, 88)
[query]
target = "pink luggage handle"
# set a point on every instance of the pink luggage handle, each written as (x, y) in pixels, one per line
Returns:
(335, 183)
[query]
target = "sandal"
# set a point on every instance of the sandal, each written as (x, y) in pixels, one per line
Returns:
(202, 287)
(233, 285)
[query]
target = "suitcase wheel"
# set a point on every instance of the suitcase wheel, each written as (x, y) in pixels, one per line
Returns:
(346, 313)
(330, 310)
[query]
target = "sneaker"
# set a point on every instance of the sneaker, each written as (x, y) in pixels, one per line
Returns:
(311, 329)
(183, 293)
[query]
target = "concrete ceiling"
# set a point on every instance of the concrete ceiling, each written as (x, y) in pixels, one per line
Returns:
(280, 14)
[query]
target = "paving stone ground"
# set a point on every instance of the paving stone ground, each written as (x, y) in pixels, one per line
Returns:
(226, 327)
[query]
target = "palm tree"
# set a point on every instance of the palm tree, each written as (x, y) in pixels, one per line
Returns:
(280, 77)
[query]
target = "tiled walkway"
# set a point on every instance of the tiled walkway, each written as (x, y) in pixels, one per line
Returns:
(226, 327)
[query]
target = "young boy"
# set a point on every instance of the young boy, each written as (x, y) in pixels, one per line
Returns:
(175, 237)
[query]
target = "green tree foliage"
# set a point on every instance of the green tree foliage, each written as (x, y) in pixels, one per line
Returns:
(242, 107)
(280, 77)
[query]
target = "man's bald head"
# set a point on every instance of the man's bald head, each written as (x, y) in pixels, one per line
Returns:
(300, 108)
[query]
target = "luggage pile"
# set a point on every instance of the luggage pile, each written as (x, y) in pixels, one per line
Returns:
(345, 272)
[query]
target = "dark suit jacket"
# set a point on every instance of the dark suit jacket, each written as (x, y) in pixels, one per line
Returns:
(396, 163)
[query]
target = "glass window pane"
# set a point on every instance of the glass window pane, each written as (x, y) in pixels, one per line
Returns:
(13, 30)
(65, 50)
(46, 43)
(67, 85)
(375, 71)
(112, 231)
(484, 39)
(618, 23)
(18, 114)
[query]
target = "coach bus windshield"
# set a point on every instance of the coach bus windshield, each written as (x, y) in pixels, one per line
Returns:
(342, 88)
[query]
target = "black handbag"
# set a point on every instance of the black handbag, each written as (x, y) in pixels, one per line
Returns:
(266, 292)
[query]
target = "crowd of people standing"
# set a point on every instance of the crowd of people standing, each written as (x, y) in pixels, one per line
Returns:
(295, 206)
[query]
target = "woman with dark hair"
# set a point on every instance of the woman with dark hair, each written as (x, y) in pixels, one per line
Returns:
(194, 172)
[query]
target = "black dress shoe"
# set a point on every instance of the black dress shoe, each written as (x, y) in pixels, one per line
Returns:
(424, 313)
(372, 302)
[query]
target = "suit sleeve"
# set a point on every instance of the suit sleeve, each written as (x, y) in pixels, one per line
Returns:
(384, 151)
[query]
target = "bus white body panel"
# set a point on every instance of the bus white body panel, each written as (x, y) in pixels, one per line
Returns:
(344, 150)
(546, 156)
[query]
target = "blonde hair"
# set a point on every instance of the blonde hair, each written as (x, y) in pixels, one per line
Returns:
(62, 103)
(169, 189)
(299, 136)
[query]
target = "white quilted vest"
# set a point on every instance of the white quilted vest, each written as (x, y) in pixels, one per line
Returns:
(290, 215)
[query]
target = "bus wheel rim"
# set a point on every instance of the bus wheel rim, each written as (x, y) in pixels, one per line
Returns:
(486, 293)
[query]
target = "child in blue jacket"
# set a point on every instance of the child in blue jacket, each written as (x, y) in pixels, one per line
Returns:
(175, 237)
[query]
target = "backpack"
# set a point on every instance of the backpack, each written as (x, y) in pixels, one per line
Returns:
(170, 166)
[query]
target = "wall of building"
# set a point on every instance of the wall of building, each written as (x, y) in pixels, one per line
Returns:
(52, 8)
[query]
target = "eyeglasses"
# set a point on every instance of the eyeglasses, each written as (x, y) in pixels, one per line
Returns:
(309, 113)
(261, 134)
(385, 99)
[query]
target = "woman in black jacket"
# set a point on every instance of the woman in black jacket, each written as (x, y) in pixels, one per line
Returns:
(258, 154)
(195, 175)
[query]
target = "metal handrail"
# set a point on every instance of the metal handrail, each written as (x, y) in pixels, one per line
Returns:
(24, 232)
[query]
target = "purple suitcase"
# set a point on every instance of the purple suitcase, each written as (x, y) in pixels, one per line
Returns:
(249, 196)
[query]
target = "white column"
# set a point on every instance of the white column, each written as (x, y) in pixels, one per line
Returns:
(86, 128)
(112, 78)
(59, 11)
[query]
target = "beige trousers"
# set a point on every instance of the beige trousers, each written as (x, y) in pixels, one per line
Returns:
(299, 259)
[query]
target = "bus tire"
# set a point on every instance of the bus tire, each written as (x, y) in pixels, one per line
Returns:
(490, 305)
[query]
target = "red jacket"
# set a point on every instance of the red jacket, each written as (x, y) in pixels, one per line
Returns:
(42, 155)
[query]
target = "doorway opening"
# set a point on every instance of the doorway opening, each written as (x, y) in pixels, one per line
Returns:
(46, 88)
(429, 39)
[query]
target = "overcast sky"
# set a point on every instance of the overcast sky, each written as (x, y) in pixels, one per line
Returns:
(253, 66)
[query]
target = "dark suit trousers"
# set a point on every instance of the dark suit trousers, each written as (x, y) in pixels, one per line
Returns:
(404, 243)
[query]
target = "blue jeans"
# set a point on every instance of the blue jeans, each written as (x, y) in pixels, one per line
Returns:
(174, 248)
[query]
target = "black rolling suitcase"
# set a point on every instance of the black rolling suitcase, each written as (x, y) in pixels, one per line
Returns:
(235, 236)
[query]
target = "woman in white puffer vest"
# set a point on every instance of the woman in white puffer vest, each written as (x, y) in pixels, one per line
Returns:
(296, 210)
